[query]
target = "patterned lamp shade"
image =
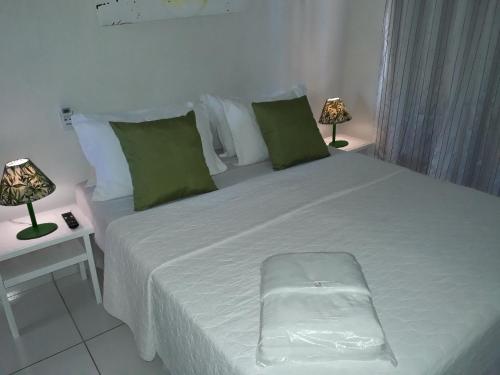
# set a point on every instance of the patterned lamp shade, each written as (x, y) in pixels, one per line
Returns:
(22, 183)
(334, 112)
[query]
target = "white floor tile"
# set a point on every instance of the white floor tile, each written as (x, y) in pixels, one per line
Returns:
(45, 328)
(74, 361)
(90, 318)
(115, 353)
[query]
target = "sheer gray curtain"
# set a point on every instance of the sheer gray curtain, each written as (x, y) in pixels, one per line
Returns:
(439, 96)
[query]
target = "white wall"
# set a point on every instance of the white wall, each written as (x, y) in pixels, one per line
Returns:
(363, 52)
(317, 32)
(336, 48)
(54, 53)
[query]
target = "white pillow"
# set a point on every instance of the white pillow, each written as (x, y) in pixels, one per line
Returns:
(215, 165)
(218, 121)
(103, 150)
(248, 141)
(236, 123)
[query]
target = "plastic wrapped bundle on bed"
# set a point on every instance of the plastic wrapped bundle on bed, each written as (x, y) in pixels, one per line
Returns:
(317, 308)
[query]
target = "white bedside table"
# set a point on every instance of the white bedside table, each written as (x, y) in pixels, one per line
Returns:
(355, 144)
(21, 261)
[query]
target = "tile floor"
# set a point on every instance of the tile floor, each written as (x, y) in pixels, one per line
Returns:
(64, 332)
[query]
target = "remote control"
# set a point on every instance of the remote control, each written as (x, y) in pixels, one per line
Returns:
(70, 220)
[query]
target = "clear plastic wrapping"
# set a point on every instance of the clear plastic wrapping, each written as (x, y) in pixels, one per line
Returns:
(308, 319)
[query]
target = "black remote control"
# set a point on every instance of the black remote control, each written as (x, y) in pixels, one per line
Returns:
(70, 220)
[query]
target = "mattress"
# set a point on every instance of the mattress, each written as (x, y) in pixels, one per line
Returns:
(101, 214)
(429, 250)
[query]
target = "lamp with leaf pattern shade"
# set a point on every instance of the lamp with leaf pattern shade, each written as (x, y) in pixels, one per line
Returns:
(334, 113)
(23, 183)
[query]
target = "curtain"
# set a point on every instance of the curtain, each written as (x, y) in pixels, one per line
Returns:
(439, 92)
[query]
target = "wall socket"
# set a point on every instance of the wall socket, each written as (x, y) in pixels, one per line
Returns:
(66, 113)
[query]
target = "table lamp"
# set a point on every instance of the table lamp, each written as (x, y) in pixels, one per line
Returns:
(334, 113)
(23, 183)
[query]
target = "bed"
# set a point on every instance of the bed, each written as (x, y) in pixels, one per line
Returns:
(185, 276)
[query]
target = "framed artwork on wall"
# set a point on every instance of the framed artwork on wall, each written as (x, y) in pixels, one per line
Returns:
(118, 12)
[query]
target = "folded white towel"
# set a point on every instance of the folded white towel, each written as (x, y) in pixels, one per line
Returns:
(286, 272)
(316, 307)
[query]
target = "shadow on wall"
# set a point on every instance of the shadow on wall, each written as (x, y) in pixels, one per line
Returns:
(363, 126)
(335, 48)
(316, 47)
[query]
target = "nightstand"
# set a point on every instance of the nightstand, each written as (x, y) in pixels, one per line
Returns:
(355, 144)
(21, 261)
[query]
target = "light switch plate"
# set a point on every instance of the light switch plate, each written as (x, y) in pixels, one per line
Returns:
(66, 113)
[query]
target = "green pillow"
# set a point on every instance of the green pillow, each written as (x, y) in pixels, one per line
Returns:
(165, 159)
(290, 132)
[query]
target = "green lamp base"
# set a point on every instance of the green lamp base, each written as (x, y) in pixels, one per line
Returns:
(35, 232)
(338, 143)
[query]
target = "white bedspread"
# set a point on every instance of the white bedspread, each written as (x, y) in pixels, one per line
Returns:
(185, 277)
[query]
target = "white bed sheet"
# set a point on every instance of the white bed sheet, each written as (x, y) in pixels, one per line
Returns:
(429, 251)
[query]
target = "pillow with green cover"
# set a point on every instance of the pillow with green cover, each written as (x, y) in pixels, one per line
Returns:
(290, 132)
(165, 158)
